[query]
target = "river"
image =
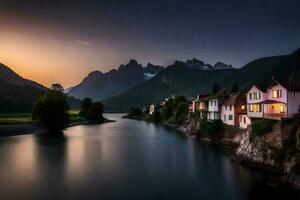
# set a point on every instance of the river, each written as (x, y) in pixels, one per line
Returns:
(126, 159)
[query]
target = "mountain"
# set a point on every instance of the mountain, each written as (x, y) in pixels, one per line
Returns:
(180, 79)
(9, 76)
(18, 94)
(200, 65)
(99, 86)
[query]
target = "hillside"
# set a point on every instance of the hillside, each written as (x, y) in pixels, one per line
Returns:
(98, 85)
(178, 79)
(18, 94)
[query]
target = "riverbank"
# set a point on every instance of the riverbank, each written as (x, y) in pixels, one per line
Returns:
(271, 153)
(8, 130)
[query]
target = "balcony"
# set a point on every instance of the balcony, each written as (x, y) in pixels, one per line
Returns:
(275, 116)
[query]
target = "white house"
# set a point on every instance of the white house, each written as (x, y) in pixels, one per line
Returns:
(234, 111)
(255, 96)
(280, 100)
(283, 100)
(214, 105)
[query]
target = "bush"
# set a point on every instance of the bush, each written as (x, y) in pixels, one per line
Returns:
(213, 127)
(51, 109)
(135, 113)
(260, 127)
(95, 112)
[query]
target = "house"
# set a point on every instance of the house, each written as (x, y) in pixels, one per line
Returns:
(215, 102)
(234, 110)
(278, 101)
(283, 100)
(200, 104)
(152, 108)
(255, 96)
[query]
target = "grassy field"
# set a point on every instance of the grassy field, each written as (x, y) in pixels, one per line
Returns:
(15, 118)
(24, 118)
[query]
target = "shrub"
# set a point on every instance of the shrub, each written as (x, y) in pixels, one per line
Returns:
(135, 112)
(51, 109)
(95, 112)
(260, 127)
(213, 127)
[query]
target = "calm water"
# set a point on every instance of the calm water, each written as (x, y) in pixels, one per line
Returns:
(124, 160)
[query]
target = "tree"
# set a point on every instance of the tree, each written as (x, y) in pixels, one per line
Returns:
(57, 87)
(216, 88)
(85, 106)
(51, 109)
(235, 88)
(95, 112)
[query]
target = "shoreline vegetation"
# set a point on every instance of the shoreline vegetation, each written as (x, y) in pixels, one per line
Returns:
(13, 124)
(51, 115)
(274, 150)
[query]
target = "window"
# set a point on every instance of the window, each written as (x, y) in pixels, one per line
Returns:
(215, 102)
(255, 108)
(259, 95)
(230, 107)
(225, 107)
(276, 93)
(241, 118)
(224, 117)
(211, 103)
(243, 107)
(282, 109)
(230, 117)
(294, 94)
(244, 120)
(250, 96)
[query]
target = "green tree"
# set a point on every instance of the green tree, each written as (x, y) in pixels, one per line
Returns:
(95, 112)
(215, 88)
(85, 106)
(235, 88)
(51, 109)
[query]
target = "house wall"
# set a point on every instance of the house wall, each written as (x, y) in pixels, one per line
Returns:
(213, 105)
(244, 121)
(277, 87)
(293, 103)
(255, 101)
(226, 112)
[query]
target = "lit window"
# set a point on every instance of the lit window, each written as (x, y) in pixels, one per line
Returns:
(282, 109)
(255, 108)
(276, 93)
(243, 107)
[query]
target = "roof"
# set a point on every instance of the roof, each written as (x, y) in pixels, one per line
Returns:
(234, 97)
(221, 93)
(291, 85)
(262, 87)
(269, 101)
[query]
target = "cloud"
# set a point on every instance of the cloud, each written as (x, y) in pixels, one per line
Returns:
(83, 43)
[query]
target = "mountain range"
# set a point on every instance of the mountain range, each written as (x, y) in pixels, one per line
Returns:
(182, 79)
(99, 86)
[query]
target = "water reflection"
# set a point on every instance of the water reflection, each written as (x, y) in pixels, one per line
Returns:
(123, 160)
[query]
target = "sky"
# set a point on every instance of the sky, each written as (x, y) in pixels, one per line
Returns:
(61, 41)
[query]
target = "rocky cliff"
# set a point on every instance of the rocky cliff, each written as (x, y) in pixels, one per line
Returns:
(279, 150)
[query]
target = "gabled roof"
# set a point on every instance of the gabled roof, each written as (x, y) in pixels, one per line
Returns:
(219, 94)
(260, 86)
(234, 98)
(291, 85)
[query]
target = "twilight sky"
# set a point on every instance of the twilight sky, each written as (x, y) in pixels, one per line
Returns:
(63, 40)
